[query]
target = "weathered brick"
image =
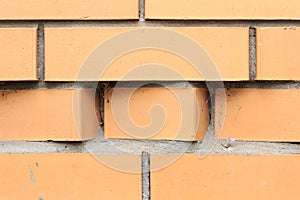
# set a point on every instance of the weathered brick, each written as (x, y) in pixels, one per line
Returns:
(258, 114)
(216, 9)
(67, 176)
(176, 102)
(65, 9)
(277, 53)
(226, 177)
(18, 53)
(47, 115)
(68, 48)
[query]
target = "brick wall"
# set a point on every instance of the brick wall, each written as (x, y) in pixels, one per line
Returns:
(160, 99)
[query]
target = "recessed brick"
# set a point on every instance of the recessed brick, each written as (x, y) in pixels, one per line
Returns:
(18, 52)
(258, 114)
(184, 115)
(226, 177)
(48, 115)
(277, 53)
(68, 48)
(215, 9)
(67, 176)
(65, 9)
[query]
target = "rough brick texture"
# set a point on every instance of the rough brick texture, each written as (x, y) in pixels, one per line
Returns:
(97, 95)
(65, 9)
(216, 9)
(277, 53)
(47, 115)
(65, 176)
(226, 177)
(177, 106)
(18, 54)
(68, 48)
(258, 115)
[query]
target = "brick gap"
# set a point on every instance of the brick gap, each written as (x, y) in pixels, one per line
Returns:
(41, 53)
(252, 53)
(141, 10)
(146, 173)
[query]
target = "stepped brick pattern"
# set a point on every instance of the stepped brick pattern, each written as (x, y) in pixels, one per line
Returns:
(149, 99)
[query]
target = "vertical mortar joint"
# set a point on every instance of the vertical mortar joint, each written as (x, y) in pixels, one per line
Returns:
(252, 54)
(41, 53)
(141, 10)
(145, 176)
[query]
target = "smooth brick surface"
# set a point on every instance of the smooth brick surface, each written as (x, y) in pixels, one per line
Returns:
(258, 115)
(66, 9)
(278, 53)
(216, 9)
(140, 105)
(18, 54)
(66, 176)
(67, 49)
(226, 177)
(47, 115)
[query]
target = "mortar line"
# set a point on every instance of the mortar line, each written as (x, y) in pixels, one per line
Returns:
(146, 193)
(35, 85)
(212, 96)
(41, 54)
(141, 10)
(149, 22)
(252, 53)
(154, 147)
(155, 23)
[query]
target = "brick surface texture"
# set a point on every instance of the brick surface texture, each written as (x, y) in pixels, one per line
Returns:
(149, 99)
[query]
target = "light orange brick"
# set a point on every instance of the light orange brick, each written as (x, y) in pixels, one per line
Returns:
(48, 115)
(216, 9)
(66, 50)
(278, 53)
(258, 114)
(72, 10)
(185, 114)
(67, 176)
(229, 177)
(18, 53)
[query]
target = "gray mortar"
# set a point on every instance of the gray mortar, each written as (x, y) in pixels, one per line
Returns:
(141, 10)
(41, 54)
(167, 23)
(102, 145)
(252, 53)
(154, 147)
(145, 176)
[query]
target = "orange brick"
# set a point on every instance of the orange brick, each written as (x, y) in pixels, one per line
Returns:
(65, 9)
(139, 110)
(66, 176)
(68, 48)
(277, 54)
(216, 9)
(18, 53)
(258, 114)
(47, 115)
(226, 177)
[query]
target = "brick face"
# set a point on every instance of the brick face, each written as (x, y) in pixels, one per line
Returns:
(173, 102)
(215, 9)
(168, 63)
(66, 10)
(47, 115)
(226, 177)
(258, 114)
(277, 53)
(67, 49)
(18, 54)
(66, 176)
